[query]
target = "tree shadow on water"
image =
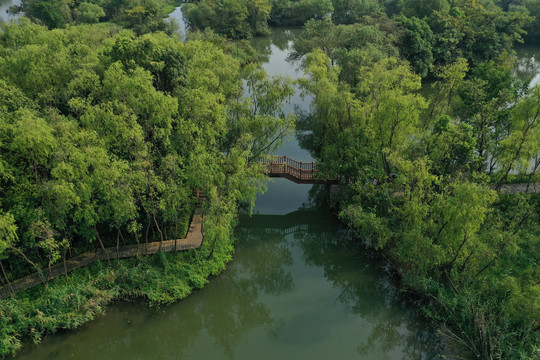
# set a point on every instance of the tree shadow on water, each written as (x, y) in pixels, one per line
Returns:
(365, 287)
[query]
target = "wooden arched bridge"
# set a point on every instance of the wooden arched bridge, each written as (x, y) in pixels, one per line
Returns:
(296, 171)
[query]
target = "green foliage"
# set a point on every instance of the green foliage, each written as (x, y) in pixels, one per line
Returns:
(89, 13)
(414, 186)
(226, 17)
(416, 43)
(350, 11)
(452, 148)
(475, 32)
(350, 46)
(53, 13)
(522, 143)
(422, 9)
(296, 13)
(105, 138)
(533, 30)
(484, 102)
(159, 280)
(8, 233)
(142, 16)
(240, 19)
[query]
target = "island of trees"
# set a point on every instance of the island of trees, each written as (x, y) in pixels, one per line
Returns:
(108, 130)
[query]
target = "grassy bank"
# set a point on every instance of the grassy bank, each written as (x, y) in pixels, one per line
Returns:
(160, 279)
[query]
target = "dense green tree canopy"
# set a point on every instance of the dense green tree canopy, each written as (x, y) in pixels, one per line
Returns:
(105, 132)
(414, 173)
(108, 133)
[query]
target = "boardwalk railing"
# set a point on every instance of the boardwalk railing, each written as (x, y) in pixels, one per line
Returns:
(193, 240)
(297, 171)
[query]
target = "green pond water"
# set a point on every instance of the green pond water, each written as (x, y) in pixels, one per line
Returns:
(299, 287)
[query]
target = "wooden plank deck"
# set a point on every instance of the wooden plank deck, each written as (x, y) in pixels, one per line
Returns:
(193, 240)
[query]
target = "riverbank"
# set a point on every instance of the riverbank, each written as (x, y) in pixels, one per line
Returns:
(299, 287)
(64, 305)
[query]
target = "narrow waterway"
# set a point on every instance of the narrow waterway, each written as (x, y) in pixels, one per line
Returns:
(299, 287)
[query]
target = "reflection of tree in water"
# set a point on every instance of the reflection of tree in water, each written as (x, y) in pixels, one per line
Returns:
(280, 38)
(263, 259)
(237, 314)
(267, 267)
(229, 309)
(365, 286)
(226, 313)
(527, 62)
(318, 198)
(263, 46)
(261, 268)
(304, 134)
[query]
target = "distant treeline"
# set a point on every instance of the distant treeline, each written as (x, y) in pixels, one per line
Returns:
(141, 16)
(244, 18)
(425, 33)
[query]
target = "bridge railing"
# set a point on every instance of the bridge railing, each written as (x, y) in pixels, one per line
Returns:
(285, 165)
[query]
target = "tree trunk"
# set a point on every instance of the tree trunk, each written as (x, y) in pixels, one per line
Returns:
(451, 264)
(213, 247)
(156, 222)
(118, 244)
(7, 280)
(102, 246)
(491, 262)
(122, 237)
(175, 233)
(154, 209)
(517, 153)
(146, 238)
(464, 265)
(30, 262)
(536, 166)
(65, 266)
(148, 227)
(49, 276)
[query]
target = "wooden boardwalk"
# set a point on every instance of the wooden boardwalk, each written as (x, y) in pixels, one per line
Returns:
(307, 173)
(520, 188)
(193, 240)
(296, 171)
